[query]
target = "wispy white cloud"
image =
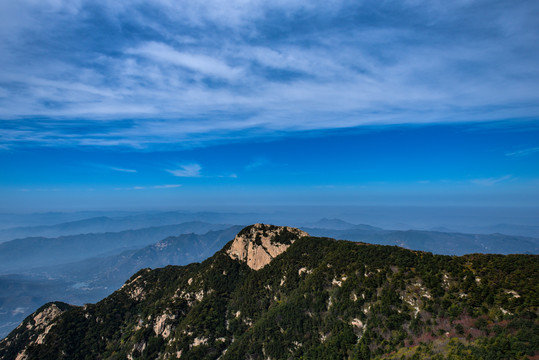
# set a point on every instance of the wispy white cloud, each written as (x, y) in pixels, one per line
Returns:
(123, 170)
(189, 170)
(491, 181)
(195, 171)
(231, 176)
(257, 163)
(198, 72)
(203, 64)
(166, 186)
(110, 167)
(523, 152)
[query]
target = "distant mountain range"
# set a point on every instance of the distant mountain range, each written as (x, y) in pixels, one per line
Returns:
(454, 220)
(135, 221)
(437, 242)
(113, 271)
(338, 224)
(277, 293)
(20, 255)
(521, 230)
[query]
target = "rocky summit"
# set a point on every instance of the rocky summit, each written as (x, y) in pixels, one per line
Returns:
(277, 293)
(258, 244)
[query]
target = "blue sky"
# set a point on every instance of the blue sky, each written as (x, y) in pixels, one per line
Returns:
(172, 103)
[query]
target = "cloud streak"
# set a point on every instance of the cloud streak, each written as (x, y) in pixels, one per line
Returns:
(166, 186)
(197, 63)
(523, 152)
(195, 171)
(123, 169)
(491, 181)
(165, 73)
(189, 170)
(113, 168)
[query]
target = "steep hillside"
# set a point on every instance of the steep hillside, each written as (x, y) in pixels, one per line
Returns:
(313, 298)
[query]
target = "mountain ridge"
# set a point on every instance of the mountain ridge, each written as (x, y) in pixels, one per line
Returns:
(321, 298)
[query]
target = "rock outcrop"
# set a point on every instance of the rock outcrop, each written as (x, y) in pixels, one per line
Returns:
(34, 329)
(258, 244)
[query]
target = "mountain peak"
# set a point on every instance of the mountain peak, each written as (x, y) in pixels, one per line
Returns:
(258, 244)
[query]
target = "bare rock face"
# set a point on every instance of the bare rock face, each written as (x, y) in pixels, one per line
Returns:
(258, 244)
(34, 330)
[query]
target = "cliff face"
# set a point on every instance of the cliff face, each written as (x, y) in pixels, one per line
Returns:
(276, 293)
(258, 244)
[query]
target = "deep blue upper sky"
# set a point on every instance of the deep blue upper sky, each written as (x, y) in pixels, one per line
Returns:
(173, 103)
